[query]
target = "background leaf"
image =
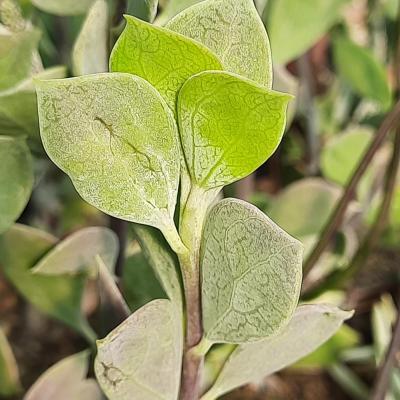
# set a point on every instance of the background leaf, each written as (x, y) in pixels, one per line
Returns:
(64, 7)
(9, 374)
(146, 10)
(66, 380)
(251, 274)
(140, 359)
(223, 146)
(294, 26)
(311, 326)
(225, 26)
(16, 179)
(121, 154)
(163, 58)
(90, 53)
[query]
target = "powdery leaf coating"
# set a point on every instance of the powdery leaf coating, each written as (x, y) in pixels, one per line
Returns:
(16, 179)
(229, 126)
(90, 53)
(77, 253)
(64, 7)
(311, 326)
(16, 54)
(57, 296)
(233, 30)
(251, 274)
(141, 359)
(116, 138)
(66, 380)
(9, 374)
(164, 58)
(291, 39)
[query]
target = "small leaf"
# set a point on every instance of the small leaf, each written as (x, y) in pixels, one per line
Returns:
(172, 8)
(303, 208)
(251, 274)
(18, 107)
(162, 57)
(57, 296)
(9, 375)
(229, 126)
(16, 179)
(66, 380)
(16, 54)
(310, 327)
(146, 10)
(77, 253)
(116, 138)
(163, 261)
(64, 7)
(290, 28)
(139, 283)
(233, 30)
(141, 359)
(361, 70)
(90, 53)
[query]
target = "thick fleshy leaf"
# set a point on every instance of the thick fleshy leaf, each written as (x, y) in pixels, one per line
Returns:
(251, 274)
(229, 126)
(139, 283)
(90, 53)
(66, 380)
(361, 70)
(310, 327)
(289, 27)
(233, 30)
(58, 296)
(16, 179)
(341, 155)
(18, 106)
(141, 359)
(116, 138)
(162, 57)
(9, 375)
(16, 54)
(162, 260)
(64, 7)
(303, 208)
(77, 253)
(146, 10)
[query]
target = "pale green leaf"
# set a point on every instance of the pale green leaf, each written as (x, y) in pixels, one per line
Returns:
(66, 380)
(16, 55)
(294, 26)
(90, 53)
(342, 154)
(303, 208)
(63, 7)
(251, 274)
(146, 10)
(162, 57)
(9, 375)
(310, 327)
(16, 179)
(116, 138)
(141, 359)
(18, 107)
(57, 296)
(233, 30)
(77, 253)
(172, 8)
(229, 126)
(162, 260)
(361, 70)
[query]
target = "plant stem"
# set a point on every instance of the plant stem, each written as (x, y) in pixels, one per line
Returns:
(392, 357)
(191, 228)
(336, 219)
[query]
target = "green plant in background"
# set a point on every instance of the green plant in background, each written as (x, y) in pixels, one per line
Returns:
(187, 106)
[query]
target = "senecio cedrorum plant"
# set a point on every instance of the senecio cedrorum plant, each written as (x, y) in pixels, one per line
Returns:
(188, 108)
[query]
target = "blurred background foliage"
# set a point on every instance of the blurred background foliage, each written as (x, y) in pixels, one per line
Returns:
(341, 59)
